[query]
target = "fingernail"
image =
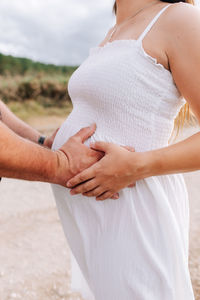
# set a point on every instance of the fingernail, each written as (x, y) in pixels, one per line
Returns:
(69, 184)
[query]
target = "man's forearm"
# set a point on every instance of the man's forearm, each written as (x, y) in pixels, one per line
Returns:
(17, 125)
(23, 159)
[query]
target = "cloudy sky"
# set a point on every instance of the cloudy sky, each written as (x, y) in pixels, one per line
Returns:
(53, 31)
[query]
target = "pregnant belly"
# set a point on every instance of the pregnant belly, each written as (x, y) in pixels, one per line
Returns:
(77, 120)
(111, 128)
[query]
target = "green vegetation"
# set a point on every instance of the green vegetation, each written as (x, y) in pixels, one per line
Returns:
(10, 65)
(32, 88)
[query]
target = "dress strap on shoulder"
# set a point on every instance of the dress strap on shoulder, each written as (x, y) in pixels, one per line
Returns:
(148, 28)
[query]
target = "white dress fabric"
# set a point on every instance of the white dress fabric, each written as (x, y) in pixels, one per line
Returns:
(136, 247)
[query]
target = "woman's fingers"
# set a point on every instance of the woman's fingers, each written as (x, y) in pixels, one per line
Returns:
(104, 196)
(81, 177)
(115, 196)
(94, 193)
(84, 187)
(101, 146)
(132, 185)
(99, 191)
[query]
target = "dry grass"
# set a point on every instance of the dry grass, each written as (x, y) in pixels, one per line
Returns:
(40, 87)
(32, 96)
(32, 109)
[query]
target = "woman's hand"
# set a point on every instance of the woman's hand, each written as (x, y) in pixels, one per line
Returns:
(118, 169)
(79, 156)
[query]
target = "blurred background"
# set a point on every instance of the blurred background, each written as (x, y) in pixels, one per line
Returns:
(42, 42)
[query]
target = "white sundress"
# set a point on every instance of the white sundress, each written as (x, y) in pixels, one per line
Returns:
(136, 247)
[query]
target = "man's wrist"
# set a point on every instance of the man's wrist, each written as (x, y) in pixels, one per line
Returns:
(61, 173)
(41, 140)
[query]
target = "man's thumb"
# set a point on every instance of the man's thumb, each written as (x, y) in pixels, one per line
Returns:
(86, 132)
(100, 146)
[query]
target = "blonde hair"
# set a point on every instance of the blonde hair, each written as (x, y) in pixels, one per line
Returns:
(184, 113)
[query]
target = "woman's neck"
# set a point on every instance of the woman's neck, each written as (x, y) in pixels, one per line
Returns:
(126, 8)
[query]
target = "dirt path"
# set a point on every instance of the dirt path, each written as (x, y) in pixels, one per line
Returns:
(34, 256)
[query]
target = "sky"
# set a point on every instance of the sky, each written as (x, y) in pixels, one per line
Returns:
(53, 31)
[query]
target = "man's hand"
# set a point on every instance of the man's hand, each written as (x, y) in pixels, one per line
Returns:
(74, 156)
(23, 159)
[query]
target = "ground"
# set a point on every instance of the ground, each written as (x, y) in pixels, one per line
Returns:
(34, 255)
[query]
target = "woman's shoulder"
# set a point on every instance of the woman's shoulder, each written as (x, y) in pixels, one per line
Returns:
(183, 16)
(181, 26)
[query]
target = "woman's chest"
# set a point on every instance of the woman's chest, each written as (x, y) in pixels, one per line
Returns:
(120, 74)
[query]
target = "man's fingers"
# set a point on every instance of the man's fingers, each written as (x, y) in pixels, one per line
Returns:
(81, 177)
(86, 132)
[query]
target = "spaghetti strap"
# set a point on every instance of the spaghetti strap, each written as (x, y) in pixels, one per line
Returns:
(148, 28)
